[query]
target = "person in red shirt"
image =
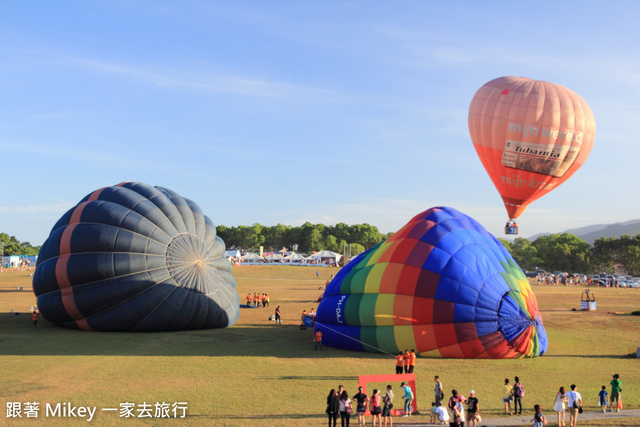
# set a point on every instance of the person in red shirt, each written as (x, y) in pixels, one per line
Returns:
(407, 361)
(412, 361)
(34, 317)
(318, 340)
(399, 362)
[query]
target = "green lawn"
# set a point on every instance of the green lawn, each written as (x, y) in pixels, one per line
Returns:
(257, 373)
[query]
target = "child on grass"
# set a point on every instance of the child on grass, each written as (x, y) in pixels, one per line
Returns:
(432, 419)
(602, 399)
(538, 419)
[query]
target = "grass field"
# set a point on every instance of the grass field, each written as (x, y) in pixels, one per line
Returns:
(258, 373)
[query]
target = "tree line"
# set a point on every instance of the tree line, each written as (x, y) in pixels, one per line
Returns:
(306, 238)
(9, 245)
(568, 253)
(556, 252)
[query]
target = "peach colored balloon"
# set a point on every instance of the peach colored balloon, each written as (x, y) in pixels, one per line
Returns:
(530, 135)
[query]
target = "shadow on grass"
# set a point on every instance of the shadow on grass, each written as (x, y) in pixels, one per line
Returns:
(19, 337)
(313, 377)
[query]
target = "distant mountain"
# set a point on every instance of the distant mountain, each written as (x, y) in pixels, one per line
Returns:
(591, 233)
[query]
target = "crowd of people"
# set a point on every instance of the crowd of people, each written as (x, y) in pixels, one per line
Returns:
(258, 299)
(339, 403)
(461, 411)
(406, 361)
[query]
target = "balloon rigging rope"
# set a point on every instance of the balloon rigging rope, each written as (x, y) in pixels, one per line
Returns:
(324, 325)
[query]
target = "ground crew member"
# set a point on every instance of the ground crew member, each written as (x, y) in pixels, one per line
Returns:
(399, 362)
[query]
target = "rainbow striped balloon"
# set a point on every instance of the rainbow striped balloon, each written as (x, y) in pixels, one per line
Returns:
(441, 285)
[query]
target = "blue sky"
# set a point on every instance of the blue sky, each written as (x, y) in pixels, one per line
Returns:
(293, 111)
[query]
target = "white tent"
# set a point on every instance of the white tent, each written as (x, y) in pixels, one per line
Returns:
(274, 257)
(251, 257)
(326, 254)
(294, 257)
(232, 254)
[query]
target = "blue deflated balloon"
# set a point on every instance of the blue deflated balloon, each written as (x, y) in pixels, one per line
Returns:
(133, 257)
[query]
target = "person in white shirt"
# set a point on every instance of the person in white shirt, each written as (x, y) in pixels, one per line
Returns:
(573, 397)
(443, 414)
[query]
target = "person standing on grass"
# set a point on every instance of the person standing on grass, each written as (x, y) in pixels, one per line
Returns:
(399, 362)
(376, 407)
(560, 405)
(407, 361)
(439, 394)
(518, 394)
(345, 408)
(34, 317)
(278, 317)
(408, 399)
(387, 399)
(473, 409)
(412, 361)
(616, 393)
(507, 397)
(249, 300)
(574, 402)
(333, 406)
(361, 405)
(318, 340)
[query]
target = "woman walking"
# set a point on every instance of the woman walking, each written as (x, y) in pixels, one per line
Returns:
(560, 406)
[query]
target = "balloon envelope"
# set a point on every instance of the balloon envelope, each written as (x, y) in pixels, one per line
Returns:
(530, 135)
(133, 257)
(441, 285)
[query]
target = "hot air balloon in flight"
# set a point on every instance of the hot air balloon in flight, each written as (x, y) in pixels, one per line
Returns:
(531, 136)
(441, 285)
(133, 257)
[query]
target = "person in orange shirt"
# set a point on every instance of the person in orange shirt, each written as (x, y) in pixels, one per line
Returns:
(249, 300)
(318, 340)
(304, 314)
(256, 300)
(412, 361)
(399, 362)
(34, 317)
(407, 361)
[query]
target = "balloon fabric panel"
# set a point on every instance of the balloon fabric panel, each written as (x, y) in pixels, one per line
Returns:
(442, 285)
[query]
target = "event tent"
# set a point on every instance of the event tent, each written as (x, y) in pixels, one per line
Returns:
(232, 254)
(294, 257)
(251, 257)
(326, 254)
